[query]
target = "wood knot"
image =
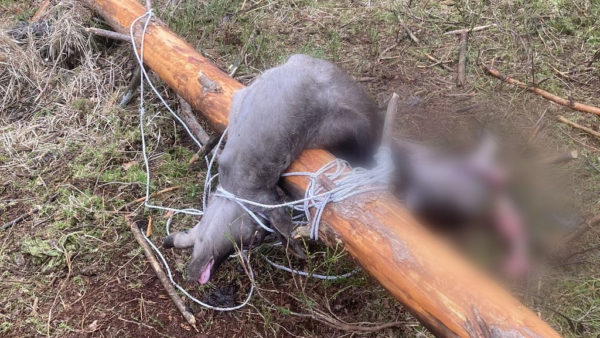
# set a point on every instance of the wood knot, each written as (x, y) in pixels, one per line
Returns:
(208, 85)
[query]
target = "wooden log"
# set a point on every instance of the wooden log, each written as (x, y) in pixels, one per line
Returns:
(446, 294)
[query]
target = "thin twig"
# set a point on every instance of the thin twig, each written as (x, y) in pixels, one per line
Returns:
(152, 195)
(462, 59)
(578, 126)
(148, 5)
(189, 317)
(208, 142)
(438, 62)
(206, 148)
(537, 127)
(19, 219)
(108, 34)
(243, 51)
(27, 214)
(187, 114)
(594, 58)
(134, 83)
(568, 103)
(468, 30)
(407, 30)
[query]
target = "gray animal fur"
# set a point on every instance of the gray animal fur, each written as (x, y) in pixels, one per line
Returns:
(304, 103)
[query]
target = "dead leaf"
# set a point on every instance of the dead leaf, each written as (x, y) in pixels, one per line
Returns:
(149, 228)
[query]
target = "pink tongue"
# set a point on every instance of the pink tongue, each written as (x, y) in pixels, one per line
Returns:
(205, 276)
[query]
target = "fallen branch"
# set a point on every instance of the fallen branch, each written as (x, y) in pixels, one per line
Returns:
(190, 120)
(578, 126)
(134, 83)
(408, 31)
(568, 103)
(594, 58)
(438, 62)
(208, 142)
(469, 30)
(24, 216)
(108, 34)
(462, 59)
(19, 219)
(189, 317)
(206, 148)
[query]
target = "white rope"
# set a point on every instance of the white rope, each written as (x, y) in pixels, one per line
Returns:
(348, 182)
(190, 211)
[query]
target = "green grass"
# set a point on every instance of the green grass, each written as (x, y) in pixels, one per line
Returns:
(93, 180)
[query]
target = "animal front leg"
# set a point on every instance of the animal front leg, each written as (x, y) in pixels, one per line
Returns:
(281, 220)
(182, 239)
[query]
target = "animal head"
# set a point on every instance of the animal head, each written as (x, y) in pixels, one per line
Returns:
(224, 226)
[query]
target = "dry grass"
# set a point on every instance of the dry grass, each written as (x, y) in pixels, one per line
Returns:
(73, 268)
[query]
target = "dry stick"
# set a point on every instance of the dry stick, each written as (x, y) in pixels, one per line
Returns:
(537, 127)
(462, 59)
(41, 11)
(568, 103)
(190, 120)
(438, 62)
(27, 214)
(19, 219)
(189, 317)
(108, 34)
(152, 195)
(578, 126)
(560, 158)
(594, 58)
(199, 133)
(238, 62)
(468, 30)
(408, 31)
(206, 148)
(132, 87)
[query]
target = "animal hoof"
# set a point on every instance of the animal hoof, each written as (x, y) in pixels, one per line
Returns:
(297, 249)
(168, 242)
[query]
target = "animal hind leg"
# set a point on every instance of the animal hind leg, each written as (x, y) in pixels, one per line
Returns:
(349, 136)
